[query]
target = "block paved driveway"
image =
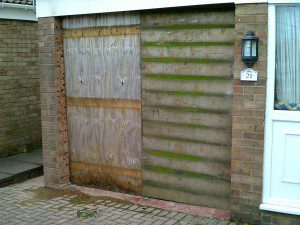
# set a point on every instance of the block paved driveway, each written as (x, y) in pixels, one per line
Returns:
(31, 203)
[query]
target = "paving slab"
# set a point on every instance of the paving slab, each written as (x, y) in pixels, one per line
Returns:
(5, 177)
(15, 167)
(20, 167)
(32, 157)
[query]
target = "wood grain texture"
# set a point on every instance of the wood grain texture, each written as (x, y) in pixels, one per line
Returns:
(103, 67)
(187, 88)
(169, 192)
(187, 68)
(212, 52)
(100, 20)
(102, 31)
(105, 136)
(208, 151)
(170, 18)
(102, 61)
(106, 103)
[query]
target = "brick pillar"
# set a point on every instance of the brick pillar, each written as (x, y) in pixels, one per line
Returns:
(53, 103)
(248, 116)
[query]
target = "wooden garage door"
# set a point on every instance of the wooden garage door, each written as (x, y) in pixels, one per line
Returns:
(102, 60)
(187, 70)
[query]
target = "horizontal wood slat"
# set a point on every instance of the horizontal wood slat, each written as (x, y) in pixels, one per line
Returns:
(185, 60)
(102, 31)
(187, 44)
(186, 77)
(188, 26)
(108, 103)
(95, 168)
(187, 71)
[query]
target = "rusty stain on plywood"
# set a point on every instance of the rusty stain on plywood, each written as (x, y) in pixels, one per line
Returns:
(95, 168)
(102, 61)
(102, 31)
(107, 103)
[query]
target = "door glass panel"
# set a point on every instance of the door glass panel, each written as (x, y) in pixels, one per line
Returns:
(287, 71)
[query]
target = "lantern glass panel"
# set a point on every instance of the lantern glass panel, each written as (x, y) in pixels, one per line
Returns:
(247, 48)
(254, 47)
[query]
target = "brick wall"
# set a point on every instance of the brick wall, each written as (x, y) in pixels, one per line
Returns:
(248, 125)
(248, 117)
(53, 105)
(19, 87)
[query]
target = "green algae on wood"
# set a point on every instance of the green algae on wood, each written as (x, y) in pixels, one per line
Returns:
(188, 93)
(187, 60)
(164, 170)
(186, 44)
(186, 125)
(172, 155)
(189, 26)
(188, 109)
(187, 77)
(188, 140)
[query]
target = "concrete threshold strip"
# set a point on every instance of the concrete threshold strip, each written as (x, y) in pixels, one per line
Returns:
(21, 167)
(150, 202)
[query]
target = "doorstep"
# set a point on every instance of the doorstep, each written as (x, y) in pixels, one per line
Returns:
(21, 167)
(156, 203)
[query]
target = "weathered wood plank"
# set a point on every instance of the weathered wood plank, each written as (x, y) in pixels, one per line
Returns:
(204, 102)
(104, 177)
(213, 152)
(105, 136)
(212, 169)
(187, 67)
(216, 34)
(188, 18)
(216, 137)
(96, 20)
(209, 69)
(102, 31)
(107, 103)
(195, 184)
(204, 119)
(170, 193)
(96, 168)
(103, 67)
(178, 83)
(212, 52)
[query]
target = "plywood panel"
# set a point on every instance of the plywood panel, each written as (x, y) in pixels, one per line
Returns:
(102, 63)
(105, 136)
(103, 67)
(108, 19)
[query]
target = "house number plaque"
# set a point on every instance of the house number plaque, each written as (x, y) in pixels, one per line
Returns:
(248, 75)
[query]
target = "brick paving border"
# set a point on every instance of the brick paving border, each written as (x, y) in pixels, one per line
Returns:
(31, 203)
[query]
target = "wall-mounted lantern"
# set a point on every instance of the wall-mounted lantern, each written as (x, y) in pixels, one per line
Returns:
(250, 49)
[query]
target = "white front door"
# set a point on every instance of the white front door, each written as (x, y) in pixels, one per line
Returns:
(281, 186)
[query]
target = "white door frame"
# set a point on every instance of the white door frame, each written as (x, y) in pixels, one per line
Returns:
(269, 203)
